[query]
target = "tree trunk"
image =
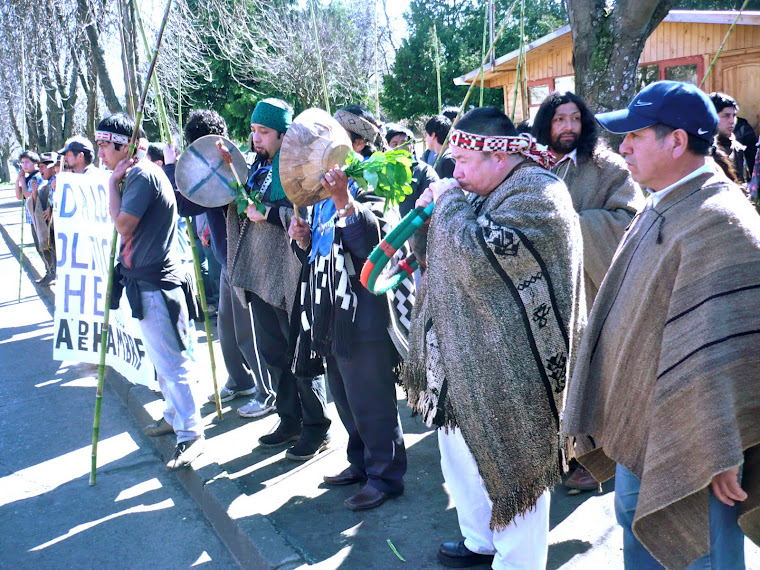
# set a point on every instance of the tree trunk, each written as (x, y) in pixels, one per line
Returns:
(92, 101)
(70, 101)
(54, 113)
(87, 12)
(39, 123)
(127, 35)
(607, 45)
(5, 156)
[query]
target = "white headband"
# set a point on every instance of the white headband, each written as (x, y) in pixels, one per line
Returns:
(111, 137)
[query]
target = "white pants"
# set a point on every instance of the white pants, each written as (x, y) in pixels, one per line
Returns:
(172, 366)
(524, 544)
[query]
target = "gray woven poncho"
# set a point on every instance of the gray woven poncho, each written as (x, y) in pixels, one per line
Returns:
(498, 319)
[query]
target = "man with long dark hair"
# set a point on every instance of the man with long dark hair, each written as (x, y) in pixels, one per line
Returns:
(603, 193)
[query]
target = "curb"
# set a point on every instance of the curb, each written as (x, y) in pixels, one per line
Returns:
(213, 492)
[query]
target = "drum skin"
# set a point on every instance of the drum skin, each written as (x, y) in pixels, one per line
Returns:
(204, 178)
(314, 143)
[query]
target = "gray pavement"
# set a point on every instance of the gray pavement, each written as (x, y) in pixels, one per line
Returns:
(270, 512)
(138, 514)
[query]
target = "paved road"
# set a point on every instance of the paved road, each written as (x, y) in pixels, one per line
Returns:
(137, 516)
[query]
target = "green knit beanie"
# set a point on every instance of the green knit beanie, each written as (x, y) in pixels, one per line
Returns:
(272, 116)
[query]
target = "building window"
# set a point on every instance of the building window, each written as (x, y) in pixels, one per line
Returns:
(685, 73)
(537, 94)
(566, 83)
(687, 69)
(647, 74)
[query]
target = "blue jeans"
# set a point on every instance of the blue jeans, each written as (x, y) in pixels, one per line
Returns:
(172, 366)
(726, 538)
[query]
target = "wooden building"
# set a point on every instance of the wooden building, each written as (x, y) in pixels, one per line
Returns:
(680, 48)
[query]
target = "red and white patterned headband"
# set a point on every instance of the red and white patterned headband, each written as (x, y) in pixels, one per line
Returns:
(520, 144)
(111, 137)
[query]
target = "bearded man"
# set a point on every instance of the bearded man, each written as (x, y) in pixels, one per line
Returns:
(262, 262)
(603, 193)
(492, 337)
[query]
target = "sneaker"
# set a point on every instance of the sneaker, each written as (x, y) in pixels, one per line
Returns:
(256, 409)
(305, 449)
(46, 280)
(185, 453)
(159, 427)
(227, 394)
(279, 437)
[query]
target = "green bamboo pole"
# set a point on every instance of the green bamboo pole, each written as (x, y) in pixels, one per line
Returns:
(482, 55)
(520, 64)
(166, 138)
(474, 81)
(723, 43)
(437, 67)
(109, 288)
(319, 59)
(179, 88)
(524, 91)
(163, 123)
(23, 148)
(204, 306)
(377, 70)
(127, 74)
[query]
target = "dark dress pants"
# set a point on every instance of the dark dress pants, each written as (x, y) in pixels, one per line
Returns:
(300, 402)
(363, 388)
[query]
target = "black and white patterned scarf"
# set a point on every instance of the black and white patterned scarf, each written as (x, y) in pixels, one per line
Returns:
(328, 302)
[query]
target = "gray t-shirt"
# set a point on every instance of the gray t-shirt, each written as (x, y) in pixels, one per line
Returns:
(148, 195)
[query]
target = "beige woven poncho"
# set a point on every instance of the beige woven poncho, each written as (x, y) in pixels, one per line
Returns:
(498, 320)
(667, 381)
(606, 199)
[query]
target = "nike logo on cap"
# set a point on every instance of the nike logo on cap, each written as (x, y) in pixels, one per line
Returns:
(701, 131)
(642, 103)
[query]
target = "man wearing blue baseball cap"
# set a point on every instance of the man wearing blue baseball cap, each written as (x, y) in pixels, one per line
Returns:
(665, 394)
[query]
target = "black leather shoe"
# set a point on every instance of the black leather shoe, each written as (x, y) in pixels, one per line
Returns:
(457, 555)
(368, 498)
(348, 476)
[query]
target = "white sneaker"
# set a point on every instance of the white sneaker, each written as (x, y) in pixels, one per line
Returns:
(226, 394)
(256, 409)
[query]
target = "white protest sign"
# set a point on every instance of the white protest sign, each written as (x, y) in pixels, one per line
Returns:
(83, 234)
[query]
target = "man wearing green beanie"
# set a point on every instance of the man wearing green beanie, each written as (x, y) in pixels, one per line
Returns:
(262, 262)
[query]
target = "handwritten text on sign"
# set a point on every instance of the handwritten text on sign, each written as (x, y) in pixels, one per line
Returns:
(84, 231)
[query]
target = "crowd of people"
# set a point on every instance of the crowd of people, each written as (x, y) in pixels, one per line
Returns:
(575, 308)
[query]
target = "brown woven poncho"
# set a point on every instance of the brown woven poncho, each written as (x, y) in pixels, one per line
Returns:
(606, 199)
(498, 319)
(667, 380)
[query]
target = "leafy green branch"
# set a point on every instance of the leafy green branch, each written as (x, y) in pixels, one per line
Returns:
(243, 199)
(388, 173)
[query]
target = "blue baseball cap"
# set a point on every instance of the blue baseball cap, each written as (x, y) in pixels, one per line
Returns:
(672, 103)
